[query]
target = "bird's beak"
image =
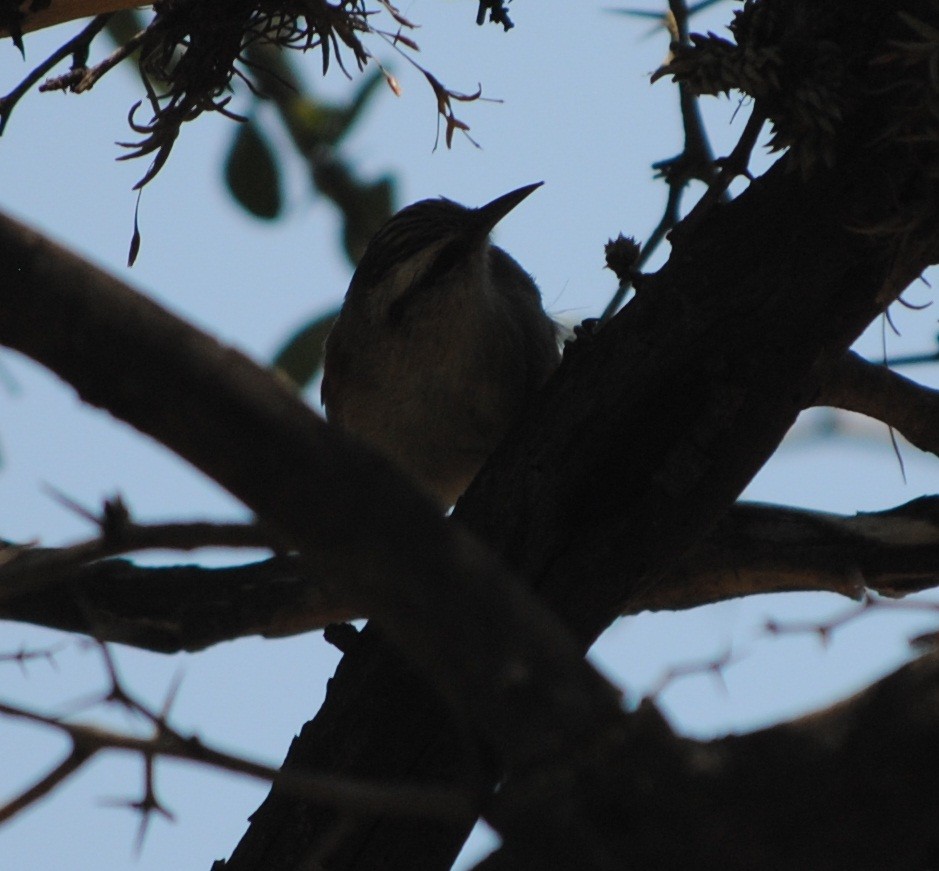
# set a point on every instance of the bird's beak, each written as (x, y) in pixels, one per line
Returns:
(489, 215)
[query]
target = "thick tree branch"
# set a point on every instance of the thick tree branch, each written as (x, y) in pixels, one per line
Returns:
(765, 549)
(87, 741)
(36, 16)
(503, 661)
(813, 793)
(753, 549)
(184, 607)
(856, 384)
(644, 438)
(25, 570)
(651, 428)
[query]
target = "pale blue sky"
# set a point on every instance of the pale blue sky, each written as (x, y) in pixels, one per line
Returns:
(578, 113)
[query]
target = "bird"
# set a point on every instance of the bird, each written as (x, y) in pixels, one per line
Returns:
(441, 342)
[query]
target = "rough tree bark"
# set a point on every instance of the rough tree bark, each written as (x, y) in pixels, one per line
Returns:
(636, 449)
(646, 435)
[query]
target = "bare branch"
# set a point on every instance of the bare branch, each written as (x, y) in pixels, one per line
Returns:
(696, 161)
(25, 569)
(912, 409)
(76, 44)
(811, 793)
(76, 758)
(753, 549)
(363, 797)
(184, 607)
(825, 629)
(165, 741)
(24, 655)
(731, 167)
(766, 549)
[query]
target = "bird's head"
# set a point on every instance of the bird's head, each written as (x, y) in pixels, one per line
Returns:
(429, 244)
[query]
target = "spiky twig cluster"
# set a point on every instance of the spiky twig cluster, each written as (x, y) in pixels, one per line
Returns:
(785, 55)
(191, 52)
(87, 741)
(192, 49)
(825, 75)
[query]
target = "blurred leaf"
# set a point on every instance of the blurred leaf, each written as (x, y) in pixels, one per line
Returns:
(313, 123)
(125, 24)
(366, 217)
(302, 356)
(252, 174)
(365, 206)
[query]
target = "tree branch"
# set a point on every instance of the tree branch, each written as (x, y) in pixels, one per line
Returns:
(184, 607)
(424, 802)
(25, 570)
(855, 384)
(505, 663)
(75, 759)
(753, 549)
(36, 16)
(644, 438)
(765, 549)
(77, 43)
(696, 160)
(812, 793)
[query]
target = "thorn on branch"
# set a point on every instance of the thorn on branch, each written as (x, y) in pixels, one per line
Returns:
(428, 802)
(714, 667)
(25, 655)
(115, 520)
(147, 805)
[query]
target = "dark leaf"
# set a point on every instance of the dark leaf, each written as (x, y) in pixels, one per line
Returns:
(302, 356)
(315, 123)
(252, 174)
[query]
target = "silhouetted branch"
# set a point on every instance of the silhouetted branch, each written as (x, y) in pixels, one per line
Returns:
(362, 797)
(25, 570)
(810, 793)
(753, 549)
(912, 409)
(79, 43)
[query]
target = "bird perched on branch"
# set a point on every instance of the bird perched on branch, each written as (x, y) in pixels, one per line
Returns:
(440, 344)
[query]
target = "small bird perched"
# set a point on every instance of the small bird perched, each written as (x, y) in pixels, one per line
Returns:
(440, 344)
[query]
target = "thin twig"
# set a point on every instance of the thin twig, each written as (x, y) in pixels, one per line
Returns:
(696, 161)
(732, 166)
(669, 219)
(33, 569)
(76, 758)
(82, 40)
(91, 76)
(870, 603)
(421, 802)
